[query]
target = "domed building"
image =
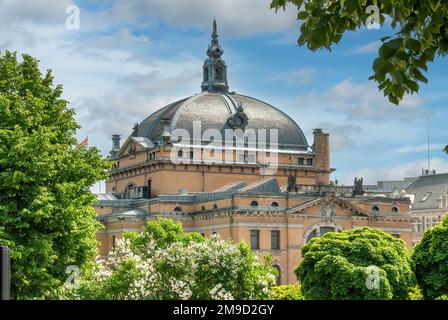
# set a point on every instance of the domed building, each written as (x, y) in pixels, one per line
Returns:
(229, 164)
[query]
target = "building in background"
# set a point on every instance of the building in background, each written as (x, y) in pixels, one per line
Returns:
(392, 187)
(429, 197)
(228, 189)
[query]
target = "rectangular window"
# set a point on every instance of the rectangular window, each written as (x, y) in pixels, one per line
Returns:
(301, 161)
(309, 162)
(149, 188)
(255, 239)
(275, 239)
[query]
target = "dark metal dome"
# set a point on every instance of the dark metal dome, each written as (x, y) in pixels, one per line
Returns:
(214, 110)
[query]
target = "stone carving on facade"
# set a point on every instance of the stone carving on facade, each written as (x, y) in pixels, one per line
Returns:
(132, 149)
(328, 211)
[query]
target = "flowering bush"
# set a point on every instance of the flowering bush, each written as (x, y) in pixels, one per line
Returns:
(188, 267)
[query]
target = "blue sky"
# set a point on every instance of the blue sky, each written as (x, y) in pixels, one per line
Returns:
(130, 58)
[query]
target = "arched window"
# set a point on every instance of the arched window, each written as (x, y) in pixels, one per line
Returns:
(311, 235)
(219, 73)
(202, 208)
(205, 74)
(394, 209)
(274, 204)
(254, 203)
(215, 206)
(375, 208)
(279, 270)
(320, 231)
(178, 208)
(130, 187)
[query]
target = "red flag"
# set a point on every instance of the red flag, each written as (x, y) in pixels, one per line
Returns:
(85, 142)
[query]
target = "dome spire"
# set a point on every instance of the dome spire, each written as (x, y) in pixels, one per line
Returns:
(215, 69)
(215, 34)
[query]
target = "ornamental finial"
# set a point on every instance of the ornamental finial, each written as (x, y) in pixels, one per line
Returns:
(215, 69)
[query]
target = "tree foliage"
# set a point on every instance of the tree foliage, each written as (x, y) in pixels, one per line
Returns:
(287, 292)
(164, 232)
(421, 34)
(430, 260)
(181, 266)
(362, 263)
(45, 179)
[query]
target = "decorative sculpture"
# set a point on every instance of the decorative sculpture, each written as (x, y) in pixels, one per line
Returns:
(239, 119)
(292, 184)
(135, 130)
(327, 212)
(358, 190)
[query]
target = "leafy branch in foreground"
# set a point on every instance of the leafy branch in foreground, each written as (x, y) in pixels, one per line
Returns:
(422, 33)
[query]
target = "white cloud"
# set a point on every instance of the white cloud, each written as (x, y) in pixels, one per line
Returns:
(241, 17)
(419, 148)
(294, 76)
(13, 12)
(371, 47)
(362, 101)
(132, 99)
(342, 136)
(396, 172)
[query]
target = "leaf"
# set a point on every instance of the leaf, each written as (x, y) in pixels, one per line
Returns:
(378, 63)
(402, 55)
(413, 45)
(393, 99)
(386, 51)
(302, 15)
(395, 43)
(399, 75)
(412, 85)
(419, 76)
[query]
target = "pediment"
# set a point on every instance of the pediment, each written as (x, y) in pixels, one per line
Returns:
(135, 144)
(329, 206)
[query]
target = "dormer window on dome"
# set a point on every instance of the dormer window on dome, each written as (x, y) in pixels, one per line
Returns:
(214, 69)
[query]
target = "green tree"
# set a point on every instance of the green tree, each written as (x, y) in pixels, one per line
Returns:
(421, 33)
(287, 292)
(182, 266)
(430, 260)
(45, 180)
(361, 263)
(163, 232)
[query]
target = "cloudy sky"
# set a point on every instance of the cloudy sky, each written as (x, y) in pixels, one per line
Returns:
(130, 58)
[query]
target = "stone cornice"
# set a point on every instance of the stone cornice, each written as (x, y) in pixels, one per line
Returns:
(331, 199)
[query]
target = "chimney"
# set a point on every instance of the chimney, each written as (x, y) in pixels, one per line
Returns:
(115, 145)
(321, 148)
(166, 133)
